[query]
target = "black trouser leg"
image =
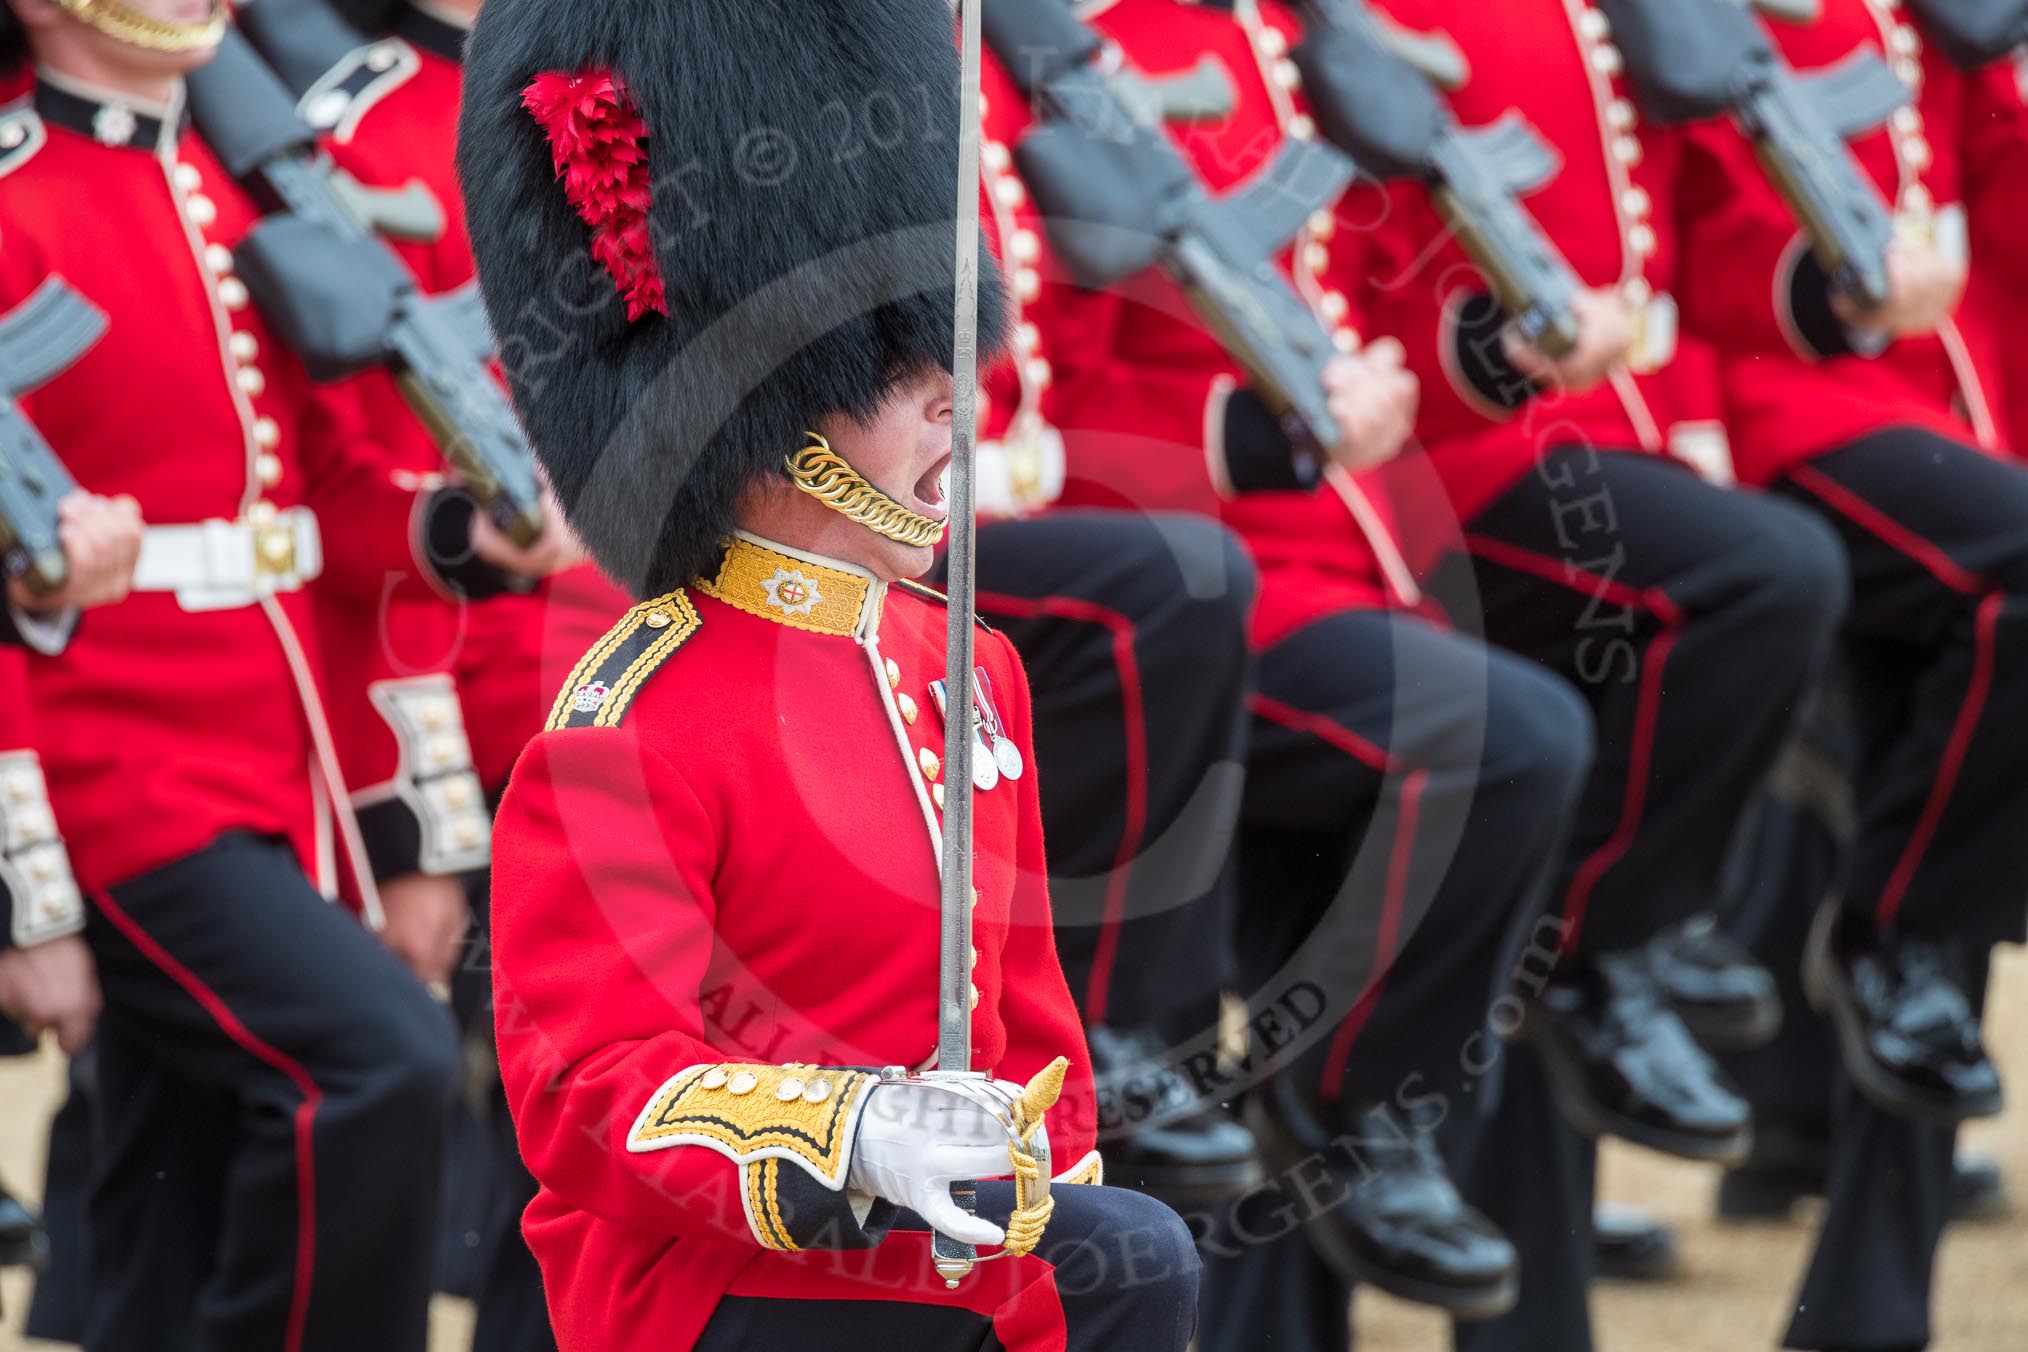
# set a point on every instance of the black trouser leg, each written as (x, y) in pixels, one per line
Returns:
(512, 1314)
(1693, 620)
(1407, 796)
(1408, 791)
(1114, 1273)
(1937, 644)
(230, 982)
(1533, 1176)
(1133, 630)
(1887, 1200)
(63, 1288)
(1792, 859)
(1265, 1288)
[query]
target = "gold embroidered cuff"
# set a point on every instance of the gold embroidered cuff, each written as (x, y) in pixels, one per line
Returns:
(807, 1115)
(760, 1117)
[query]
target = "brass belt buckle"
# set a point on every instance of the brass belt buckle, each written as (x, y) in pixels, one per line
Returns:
(274, 542)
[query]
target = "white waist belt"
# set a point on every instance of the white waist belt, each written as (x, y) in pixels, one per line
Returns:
(222, 565)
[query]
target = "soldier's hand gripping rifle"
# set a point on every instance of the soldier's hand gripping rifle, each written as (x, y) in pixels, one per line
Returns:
(1973, 33)
(41, 337)
(1118, 198)
(1695, 59)
(1381, 110)
(341, 297)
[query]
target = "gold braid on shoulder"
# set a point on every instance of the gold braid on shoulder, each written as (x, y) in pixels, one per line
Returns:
(124, 23)
(824, 475)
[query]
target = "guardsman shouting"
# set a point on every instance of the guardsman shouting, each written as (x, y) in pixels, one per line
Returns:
(259, 1048)
(716, 875)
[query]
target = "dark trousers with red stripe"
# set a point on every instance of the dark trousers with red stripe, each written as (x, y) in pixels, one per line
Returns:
(1937, 653)
(1694, 621)
(1115, 1272)
(1936, 656)
(1133, 631)
(273, 1088)
(1408, 796)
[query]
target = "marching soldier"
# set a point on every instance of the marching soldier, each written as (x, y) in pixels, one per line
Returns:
(1881, 423)
(1692, 619)
(716, 871)
(259, 1049)
(1386, 753)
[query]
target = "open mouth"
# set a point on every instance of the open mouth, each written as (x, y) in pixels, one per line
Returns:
(928, 493)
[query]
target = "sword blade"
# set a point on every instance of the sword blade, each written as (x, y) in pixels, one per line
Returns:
(954, 1012)
(954, 1258)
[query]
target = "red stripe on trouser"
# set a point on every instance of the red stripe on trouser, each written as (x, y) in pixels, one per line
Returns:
(1647, 713)
(1385, 942)
(1322, 728)
(306, 1112)
(1018, 1294)
(1955, 751)
(1106, 952)
(1892, 533)
(1939, 565)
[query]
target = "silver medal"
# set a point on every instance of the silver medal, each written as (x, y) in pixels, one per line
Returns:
(985, 765)
(1007, 757)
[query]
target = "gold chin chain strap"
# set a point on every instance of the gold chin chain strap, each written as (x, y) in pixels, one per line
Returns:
(1030, 1218)
(824, 475)
(125, 23)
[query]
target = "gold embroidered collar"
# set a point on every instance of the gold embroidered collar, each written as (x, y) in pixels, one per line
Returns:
(798, 589)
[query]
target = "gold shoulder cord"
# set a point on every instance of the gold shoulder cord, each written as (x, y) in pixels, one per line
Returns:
(824, 475)
(123, 22)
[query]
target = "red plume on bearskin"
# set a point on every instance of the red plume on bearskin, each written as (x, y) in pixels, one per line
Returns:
(598, 141)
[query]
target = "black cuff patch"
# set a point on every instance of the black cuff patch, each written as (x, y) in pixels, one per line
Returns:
(1810, 314)
(808, 1215)
(446, 548)
(1260, 456)
(393, 838)
(1480, 355)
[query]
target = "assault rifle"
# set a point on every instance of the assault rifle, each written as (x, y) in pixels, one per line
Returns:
(1119, 198)
(1381, 110)
(39, 339)
(344, 300)
(1695, 59)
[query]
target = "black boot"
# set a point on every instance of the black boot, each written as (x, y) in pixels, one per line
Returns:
(1725, 998)
(1622, 1064)
(1631, 1245)
(1379, 1207)
(1159, 1137)
(22, 1243)
(1909, 1039)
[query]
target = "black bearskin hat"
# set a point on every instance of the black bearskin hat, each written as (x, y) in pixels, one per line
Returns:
(13, 42)
(371, 17)
(796, 260)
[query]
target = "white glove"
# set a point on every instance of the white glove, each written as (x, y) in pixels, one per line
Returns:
(915, 1141)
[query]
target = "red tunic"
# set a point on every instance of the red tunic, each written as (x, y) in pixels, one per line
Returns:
(725, 850)
(1141, 384)
(1784, 405)
(1611, 210)
(165, 727)
(507, 654)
